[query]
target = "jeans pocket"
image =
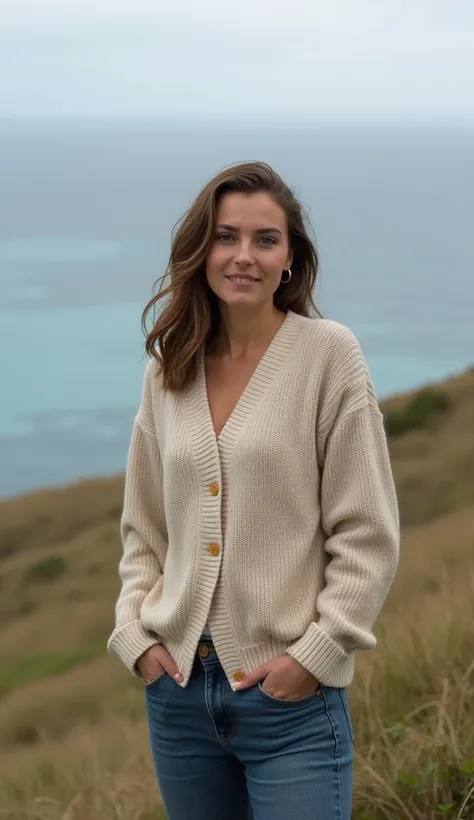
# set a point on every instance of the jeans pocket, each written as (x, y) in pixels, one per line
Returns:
(287, 701)
(150, 683)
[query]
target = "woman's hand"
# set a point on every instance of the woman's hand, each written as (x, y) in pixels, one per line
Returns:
(283, 678)
(155, 661)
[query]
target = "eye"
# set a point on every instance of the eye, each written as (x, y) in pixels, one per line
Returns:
(224, 237)
(267, 240)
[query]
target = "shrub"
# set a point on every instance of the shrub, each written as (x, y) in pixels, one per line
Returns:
(26, 608)
(46, 570)
(423, 408)
(8, 545)
(77, 595)
(26, 734)
(115, 511)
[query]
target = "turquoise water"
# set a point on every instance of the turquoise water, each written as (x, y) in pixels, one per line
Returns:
(86, 211)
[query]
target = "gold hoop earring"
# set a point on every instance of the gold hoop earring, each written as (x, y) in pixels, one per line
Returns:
(285, 281)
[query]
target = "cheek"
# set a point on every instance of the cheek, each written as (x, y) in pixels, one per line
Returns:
(216, 260)
(275, 262)
(215, 264)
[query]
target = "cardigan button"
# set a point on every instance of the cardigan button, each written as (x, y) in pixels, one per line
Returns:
(214, 549)
(214, 489)
(238, 676)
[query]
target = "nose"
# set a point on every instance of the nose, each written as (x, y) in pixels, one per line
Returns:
(244, 256)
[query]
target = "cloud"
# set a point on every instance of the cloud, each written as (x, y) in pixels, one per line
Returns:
(253, 58)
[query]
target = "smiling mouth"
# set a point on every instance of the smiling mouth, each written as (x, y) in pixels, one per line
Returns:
(242, 279)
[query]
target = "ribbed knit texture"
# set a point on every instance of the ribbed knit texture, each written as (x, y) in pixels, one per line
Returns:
(306, 507)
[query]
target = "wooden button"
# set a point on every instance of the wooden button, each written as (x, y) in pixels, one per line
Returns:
(214, 549)
(214, 489)
(238, 676)
(203, 650)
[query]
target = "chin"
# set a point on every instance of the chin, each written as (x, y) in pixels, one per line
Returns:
(240, 299)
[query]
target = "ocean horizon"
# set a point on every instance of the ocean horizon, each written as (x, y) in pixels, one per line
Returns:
(86, 213)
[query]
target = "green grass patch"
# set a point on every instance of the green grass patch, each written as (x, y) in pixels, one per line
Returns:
(34, 667)
(46, 570)
(425, 407)
(26, 608)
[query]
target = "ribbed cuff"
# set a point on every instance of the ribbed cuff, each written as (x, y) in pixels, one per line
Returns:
(129, 642)
(320, 655)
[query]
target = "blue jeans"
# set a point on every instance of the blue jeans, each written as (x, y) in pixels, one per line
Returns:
(225, 755)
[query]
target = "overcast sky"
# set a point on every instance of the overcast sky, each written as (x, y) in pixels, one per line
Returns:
(278, 59)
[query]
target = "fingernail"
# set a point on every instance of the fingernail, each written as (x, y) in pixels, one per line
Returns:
(178, 677)
(238, 686)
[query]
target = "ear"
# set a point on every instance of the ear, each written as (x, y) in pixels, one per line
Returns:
(289, 261)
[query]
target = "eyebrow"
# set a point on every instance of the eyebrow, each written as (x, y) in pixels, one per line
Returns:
(259, 231)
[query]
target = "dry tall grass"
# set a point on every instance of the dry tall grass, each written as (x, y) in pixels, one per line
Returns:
(73, 739)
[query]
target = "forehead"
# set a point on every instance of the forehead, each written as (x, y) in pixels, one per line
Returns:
(257, 210)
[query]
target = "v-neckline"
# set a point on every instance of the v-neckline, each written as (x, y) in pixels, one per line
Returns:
(251, 390)
(213, 455)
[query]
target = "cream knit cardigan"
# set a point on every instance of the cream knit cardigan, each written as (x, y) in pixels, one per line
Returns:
(282, 534)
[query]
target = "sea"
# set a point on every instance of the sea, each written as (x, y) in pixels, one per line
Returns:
(87, 208)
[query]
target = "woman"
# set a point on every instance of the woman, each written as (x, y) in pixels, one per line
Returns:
(260, 523)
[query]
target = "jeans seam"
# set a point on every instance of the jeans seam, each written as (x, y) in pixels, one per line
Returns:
(336, 757)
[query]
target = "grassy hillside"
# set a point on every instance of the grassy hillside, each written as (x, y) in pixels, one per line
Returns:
(73, 741)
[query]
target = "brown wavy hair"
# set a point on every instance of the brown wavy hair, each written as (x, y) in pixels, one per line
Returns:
(190, 318)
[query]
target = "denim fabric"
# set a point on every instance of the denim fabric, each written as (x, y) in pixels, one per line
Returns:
(225, 755)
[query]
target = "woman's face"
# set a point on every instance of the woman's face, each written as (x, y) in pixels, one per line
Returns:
(250, 249)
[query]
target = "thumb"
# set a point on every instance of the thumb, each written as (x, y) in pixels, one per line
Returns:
(253, 677)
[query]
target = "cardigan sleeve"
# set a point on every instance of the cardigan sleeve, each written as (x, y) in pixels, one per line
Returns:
(144, 537)
(359, 516)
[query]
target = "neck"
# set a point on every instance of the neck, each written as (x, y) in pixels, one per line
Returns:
(242, 328)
